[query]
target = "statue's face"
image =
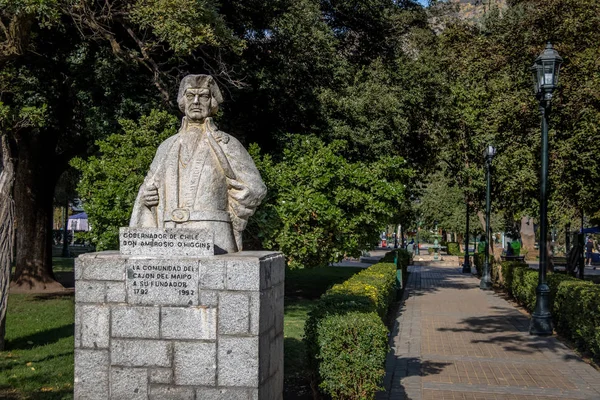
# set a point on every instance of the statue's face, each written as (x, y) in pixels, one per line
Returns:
(197, 103)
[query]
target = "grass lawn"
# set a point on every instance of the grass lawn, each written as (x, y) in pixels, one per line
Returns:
(302, 288)
(38, 360)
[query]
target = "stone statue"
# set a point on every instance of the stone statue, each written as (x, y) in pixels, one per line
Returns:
(200, 178)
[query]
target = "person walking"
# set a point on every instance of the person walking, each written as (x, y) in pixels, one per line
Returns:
(589, 246)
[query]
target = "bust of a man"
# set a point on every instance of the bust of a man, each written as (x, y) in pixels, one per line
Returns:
(200, 178)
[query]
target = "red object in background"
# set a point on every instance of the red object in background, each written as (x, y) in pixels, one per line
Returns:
(383, 243)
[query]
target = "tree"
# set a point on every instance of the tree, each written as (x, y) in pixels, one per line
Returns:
(321, 206)
(69, 71)
(111, 178)
(6, 230)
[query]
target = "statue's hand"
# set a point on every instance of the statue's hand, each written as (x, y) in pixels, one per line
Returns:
(150, 195)
(237, 189)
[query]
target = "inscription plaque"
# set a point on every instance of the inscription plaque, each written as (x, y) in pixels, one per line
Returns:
(162, 281)
(166, 242)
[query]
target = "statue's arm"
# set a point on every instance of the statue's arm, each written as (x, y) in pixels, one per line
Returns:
(148, 193)
(247, 190)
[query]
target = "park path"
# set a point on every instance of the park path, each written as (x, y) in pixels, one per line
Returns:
(452, 340)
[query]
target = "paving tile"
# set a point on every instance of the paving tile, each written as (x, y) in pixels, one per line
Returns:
(452, 340)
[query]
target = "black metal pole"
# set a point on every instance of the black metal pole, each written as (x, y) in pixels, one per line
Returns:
(567, 238)
(541, 319)
(401, 236)
(486, 281)
(467, 265)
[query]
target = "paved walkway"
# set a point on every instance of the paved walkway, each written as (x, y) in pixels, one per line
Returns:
(452, 340)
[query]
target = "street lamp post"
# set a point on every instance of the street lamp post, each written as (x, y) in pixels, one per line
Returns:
(467, 265)
(486, 281)
(545, 72)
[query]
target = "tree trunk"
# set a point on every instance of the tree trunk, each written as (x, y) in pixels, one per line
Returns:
(35, 180)
(528, 237)
(7, 233)
(65, 244)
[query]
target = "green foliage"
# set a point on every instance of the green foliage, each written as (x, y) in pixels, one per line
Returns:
(185, 25)
(345, 337)
(320, 206)
(577, 313)
(353, 347)
(453, 249)
(110, 180)
(524, 283)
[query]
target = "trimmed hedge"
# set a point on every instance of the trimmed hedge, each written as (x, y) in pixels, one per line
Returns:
(575, 303)
(576, 312)
(453, 249)
(345, 336)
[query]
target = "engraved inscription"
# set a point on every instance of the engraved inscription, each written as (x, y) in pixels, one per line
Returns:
(162, 281)
(169, 242)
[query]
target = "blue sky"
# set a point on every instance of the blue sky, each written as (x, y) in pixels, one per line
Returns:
(422, 2)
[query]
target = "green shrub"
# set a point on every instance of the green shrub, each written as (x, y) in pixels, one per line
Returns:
(352, 373)
(524, 283)
(430, 250)
(508, 273)
(402, 257)
(345, 336)
(453, 249)
(577, 313)
(575, 304)
(554, 281)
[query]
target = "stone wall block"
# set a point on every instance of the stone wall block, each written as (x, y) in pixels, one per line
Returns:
(276, 355)
(128, 383)
(264, 342)
(89, 291)
(140, 353)
(105, 269)
(267, 309)
(93, 330)
(163, 392)
(238, 361)
(78, 268)
(277, 269)
(91, 374)
(278, 309)
(223, 394)
(195, 363)
(135, 322)
(115, 292)
(234, 313)
(188, 323)
(161, 375)
(209, 298)
(255, 312)
(212, 274)
(243, 274)
(266, 275)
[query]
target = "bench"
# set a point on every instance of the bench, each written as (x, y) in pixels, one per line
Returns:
(513, 258)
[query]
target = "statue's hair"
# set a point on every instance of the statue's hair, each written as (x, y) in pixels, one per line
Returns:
(200, 81)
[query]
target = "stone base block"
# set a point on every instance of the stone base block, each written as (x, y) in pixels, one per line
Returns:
(204, 327)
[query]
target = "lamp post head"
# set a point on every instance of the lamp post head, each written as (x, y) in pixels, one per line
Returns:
(489, 153)
(545, 72)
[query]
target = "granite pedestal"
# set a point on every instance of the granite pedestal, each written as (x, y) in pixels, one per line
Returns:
(179, 326)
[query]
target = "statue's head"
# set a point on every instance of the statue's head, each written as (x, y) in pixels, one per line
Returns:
(199, 97)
